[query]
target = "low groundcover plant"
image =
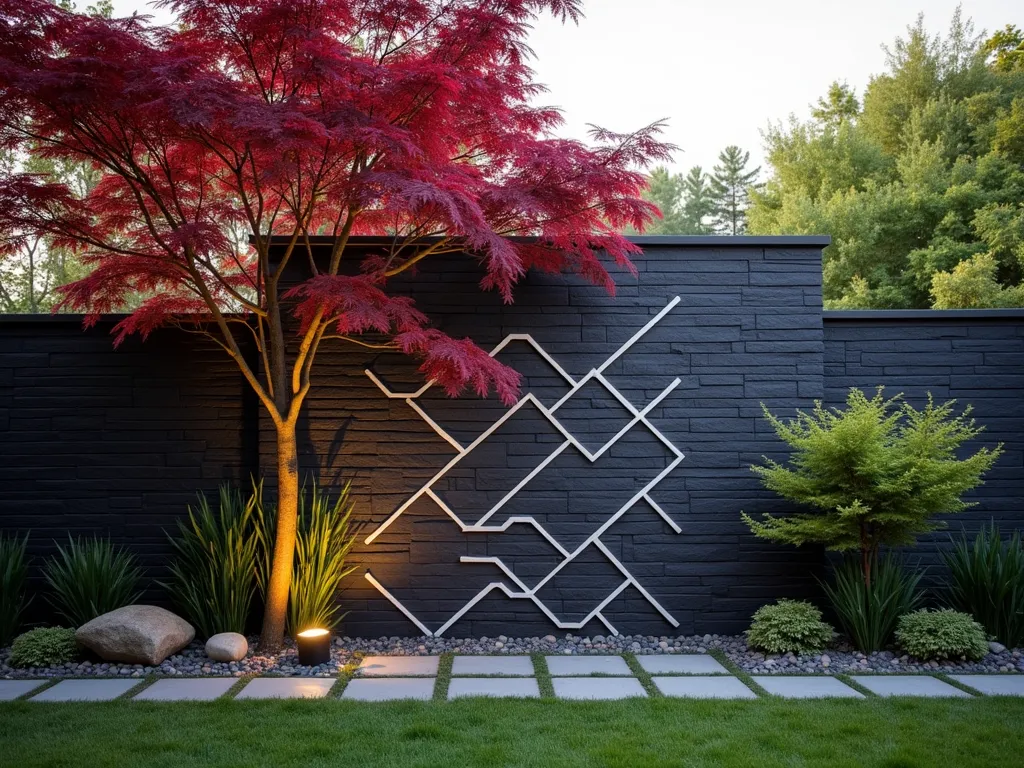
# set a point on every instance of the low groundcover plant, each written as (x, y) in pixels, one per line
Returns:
(788, 625)
(44, 647)
(945, 634)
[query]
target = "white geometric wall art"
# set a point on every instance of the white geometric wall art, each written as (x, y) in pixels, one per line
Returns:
(520, 590)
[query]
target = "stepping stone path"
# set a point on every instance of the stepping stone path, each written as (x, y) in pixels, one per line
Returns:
(703, 687)
(564, 666)
(12, 689)
(390, 689)
(287, 688)
(398, 666)
(604, 688)
(682, 665)
(993, 685)
(391, 678)
(515, 687)
(807, 687)
(86, 690)
(908, 685)
(192, 689)
(507, 666)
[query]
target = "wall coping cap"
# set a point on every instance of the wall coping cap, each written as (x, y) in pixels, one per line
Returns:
(917, 315)
(719, 241)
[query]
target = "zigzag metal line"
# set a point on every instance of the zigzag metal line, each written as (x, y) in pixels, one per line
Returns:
(639, 416)
(529, 397)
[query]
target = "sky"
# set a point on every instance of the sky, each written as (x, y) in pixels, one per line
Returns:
(719, 71)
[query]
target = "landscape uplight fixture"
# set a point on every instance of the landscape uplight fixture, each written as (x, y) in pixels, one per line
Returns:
(314, 647)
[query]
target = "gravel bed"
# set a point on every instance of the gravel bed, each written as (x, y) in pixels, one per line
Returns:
(840, 659)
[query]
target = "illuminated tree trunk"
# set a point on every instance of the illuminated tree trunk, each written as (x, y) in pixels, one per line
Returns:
(272, 635)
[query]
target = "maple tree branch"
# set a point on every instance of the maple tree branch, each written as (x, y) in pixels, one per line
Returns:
(428, 251)
(390, 345)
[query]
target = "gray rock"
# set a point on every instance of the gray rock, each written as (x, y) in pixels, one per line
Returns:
(136, 634)
(227, 646)
(997, 647)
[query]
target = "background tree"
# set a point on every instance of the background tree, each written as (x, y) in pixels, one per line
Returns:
(837, 106)
(925, 175)
(873, 474)
(32, 265)
(972, 284)
(685, 202)
(333, 117)
(730, 189)
(665, 191)
(698, 203)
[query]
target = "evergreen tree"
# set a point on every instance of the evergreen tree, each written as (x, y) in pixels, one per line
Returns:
(730, 188)
(698, 204)
(871, 475)
(665, 191)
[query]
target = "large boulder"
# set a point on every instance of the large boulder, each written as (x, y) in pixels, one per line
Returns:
(136, 634)
(227, 646)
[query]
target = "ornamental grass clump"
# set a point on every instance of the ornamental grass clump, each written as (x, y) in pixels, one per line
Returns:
(869, 613)
(788, 626)
(213, 574)
(44, 647)
(13, 573)
(324, 538)
(91, 577)
(945, 634)
(987, 581)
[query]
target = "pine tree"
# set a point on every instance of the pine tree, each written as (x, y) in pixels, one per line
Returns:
(871, 475)
(698, 204)
(730, 188)
(665, 191)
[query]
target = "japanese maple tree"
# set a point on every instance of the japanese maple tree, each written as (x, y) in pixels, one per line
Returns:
(289, 118)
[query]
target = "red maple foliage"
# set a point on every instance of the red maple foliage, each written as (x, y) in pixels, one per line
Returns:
(292, 118)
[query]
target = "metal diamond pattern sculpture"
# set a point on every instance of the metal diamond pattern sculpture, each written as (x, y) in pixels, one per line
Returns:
(520, 590)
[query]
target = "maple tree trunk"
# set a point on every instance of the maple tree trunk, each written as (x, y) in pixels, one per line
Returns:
(275, 611)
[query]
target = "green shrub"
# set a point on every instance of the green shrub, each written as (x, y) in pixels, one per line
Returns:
(13, 571)
(44, 647)
(872, 475)
(788, 625)
(325, 536)
(987, 581)
(945, 634)
(868, 613)
(91, 577)
(213, 574)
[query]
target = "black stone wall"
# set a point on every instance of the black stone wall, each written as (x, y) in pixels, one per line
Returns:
(973, 357)
(95, 440)
(747, 329)
(118, 442)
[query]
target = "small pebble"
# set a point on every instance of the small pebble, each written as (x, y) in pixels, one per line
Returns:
(840, 658)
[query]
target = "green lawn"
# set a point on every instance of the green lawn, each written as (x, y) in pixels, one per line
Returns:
(656, 732)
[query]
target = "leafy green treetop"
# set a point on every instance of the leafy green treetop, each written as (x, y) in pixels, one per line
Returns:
(927, 173)
(972, 284)
(870, 475)
(838, 105)
(730, 187)
(1005, 50)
